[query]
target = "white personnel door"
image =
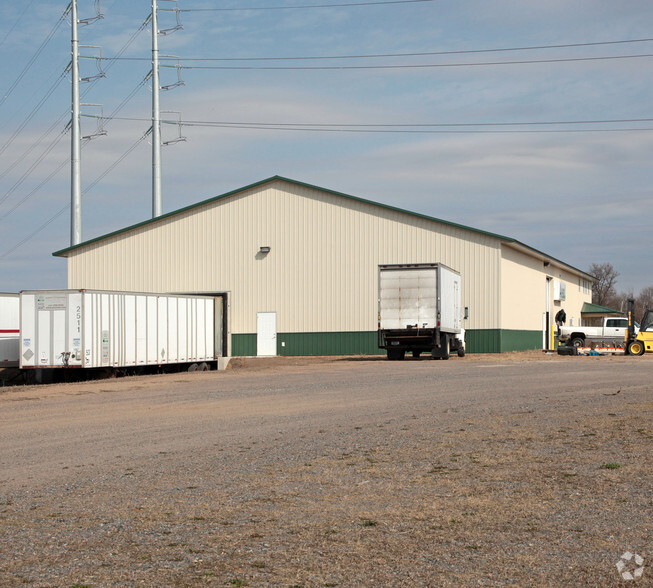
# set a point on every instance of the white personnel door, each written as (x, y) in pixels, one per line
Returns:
(266, 333)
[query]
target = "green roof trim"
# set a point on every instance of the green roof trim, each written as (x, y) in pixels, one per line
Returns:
(589, 308)
(502, 238)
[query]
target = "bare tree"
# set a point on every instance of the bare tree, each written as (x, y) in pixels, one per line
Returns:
(603, 290)
(643, 302)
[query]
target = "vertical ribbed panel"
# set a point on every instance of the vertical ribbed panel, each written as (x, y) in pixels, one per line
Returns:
(321, 273)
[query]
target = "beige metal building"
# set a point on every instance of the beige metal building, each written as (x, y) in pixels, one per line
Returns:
(297, 266)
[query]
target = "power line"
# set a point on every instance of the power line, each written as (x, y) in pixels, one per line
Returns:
(410, 66)
(406, 127)
(60, 136)
(33, 113)
(303, 6)
(34, 57)
(11, 30)
(67, 206)
(386, 55)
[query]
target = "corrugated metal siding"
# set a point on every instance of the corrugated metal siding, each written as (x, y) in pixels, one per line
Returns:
(523, 291)
(321, 272)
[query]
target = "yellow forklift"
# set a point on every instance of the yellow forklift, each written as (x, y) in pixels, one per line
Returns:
(639, 343)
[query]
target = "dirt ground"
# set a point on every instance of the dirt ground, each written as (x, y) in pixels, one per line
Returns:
(520, 469)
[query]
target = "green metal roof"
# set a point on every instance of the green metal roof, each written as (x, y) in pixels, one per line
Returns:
(502, 238)
(589, 308)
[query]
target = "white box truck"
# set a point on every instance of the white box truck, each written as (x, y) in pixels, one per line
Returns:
(420, 310)
(103, 329)
(9, 330)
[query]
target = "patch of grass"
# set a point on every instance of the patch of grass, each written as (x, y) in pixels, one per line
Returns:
(81, 586)
(610, 466)
(438, 469)
(258, 565)
(473, 547)
(237, 582)
(368, 523)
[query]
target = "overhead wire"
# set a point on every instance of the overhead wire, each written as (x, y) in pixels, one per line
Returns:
(84, 193)
(34, 57)
(304, 6)
(51, 146)
(20, 17)
(385, 55)
(414, 127)
(408, 66)
(33, 113)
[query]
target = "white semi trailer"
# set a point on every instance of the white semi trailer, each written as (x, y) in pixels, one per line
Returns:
(9, 330)
(420, 310)
(121, 330)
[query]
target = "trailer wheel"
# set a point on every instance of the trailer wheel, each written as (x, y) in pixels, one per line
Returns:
(193, 367)
(461, 351)
(636, 348)
(204, 367)
(416, 354)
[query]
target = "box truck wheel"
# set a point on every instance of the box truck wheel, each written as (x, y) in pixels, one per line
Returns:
(445, 344)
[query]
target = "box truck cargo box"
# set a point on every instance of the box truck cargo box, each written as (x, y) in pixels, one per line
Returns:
(103, 329)
(420, 310)
(9, 330)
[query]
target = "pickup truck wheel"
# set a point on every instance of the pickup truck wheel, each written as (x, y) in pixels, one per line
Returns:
(577, 342)
(636, 348)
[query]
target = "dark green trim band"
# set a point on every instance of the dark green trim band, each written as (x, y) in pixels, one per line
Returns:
(366, 343)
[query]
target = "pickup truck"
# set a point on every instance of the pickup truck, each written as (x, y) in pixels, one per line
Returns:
(612, 331)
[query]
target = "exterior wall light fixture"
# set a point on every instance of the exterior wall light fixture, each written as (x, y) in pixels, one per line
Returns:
(264, 249)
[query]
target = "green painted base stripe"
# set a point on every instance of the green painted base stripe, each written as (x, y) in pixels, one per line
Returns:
(365, 343)
(342, 343)
(520, 340)
(243, 345)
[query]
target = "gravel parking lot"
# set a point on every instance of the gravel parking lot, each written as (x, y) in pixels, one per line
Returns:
(513, 470)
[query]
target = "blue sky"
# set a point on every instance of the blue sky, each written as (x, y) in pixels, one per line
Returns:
(581, 197)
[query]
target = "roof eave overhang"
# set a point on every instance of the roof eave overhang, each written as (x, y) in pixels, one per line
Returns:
(546, 259)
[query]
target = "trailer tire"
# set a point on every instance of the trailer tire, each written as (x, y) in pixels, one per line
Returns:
(416, 354)
(461, 351)
(193, 367)
(577, 342)
(204, 367)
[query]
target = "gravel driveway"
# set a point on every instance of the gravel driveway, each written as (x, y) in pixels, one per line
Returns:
(512, 470)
